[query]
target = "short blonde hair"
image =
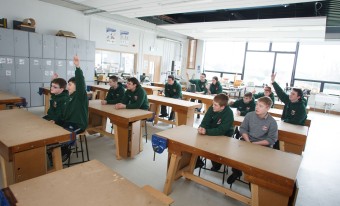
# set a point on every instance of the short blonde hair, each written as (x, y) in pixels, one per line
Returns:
(266, 100)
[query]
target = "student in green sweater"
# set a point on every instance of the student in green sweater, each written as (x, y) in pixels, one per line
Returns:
(217, 121)
(59, 95)
(75, 117)
(116, 91)
(266, 93)
(135, 96)
(294, 111)
(244, 105)
(173, 90)
(215, 86)
(201, 87)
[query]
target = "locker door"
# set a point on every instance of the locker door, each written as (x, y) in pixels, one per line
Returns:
(7, 68)
(90, 50)
(72, 47)
(21, 43)
(23, 90)
(48, 69)
(81, 49)
(36, 70)
(36, 99)
(6, 42)
(89, 71)
(35, 45)
(22, 72)
(48, 46)
(70, 69)
(60, 48)
(60, 68)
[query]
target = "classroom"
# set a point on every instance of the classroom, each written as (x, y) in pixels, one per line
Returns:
(177, 63)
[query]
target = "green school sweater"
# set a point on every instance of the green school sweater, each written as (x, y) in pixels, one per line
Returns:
(261, 94)
(244, 108)
(57, 106)
(215, 88)
(173, 91)
(294, 113)
(115, 96)
(76, 110)
(200, 86)
(218, 123)
(136, 100)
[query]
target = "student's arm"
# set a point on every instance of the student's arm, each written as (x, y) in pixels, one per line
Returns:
(80, 80)
(166, 93)
(235, 104)
(141, 95)
(280, 93)
(244, 128)
(178, 93)
(258, 95)
(207, 118)
(219, 90)
(252, 108)
(299, 117)
(226, 123)
(272, 97)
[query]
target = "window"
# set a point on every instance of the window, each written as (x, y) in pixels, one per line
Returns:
(114, 62)
(283, 67)
(313, 86)
(284, 47)
(259, 46)
(319, 62)
(332, 89)
(224, 56)
(259, 67)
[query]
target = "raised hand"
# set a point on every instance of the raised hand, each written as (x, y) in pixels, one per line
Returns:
(273, 77)
(76, 61)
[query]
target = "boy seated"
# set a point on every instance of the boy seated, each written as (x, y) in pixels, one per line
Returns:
(244, 105)
(217, 121)
(294, 111)
(115, 93)
(258, 127)
(173, 90)
(201, 88)
(135, 96)
(215, 86)
(266, 93)
(59, 95)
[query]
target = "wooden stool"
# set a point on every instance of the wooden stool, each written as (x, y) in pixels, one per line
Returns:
(82, 138)
(158, 195)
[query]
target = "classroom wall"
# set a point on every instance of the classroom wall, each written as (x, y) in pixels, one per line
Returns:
(142, 35)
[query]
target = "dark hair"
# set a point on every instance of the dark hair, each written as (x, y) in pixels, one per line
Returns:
(221, 99)
(171, 77)
(266, 100)
(299, 92)
(114, 78)
(133, 80)
(248, 94)
(216, 78)
(59, 81)
(204, 74)
(72, 79)
(267, 88)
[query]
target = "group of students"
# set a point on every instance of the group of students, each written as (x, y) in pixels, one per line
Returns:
(258, 127)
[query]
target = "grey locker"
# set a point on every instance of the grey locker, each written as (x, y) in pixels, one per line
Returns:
(48, 46)
(21, 66)
(36, 99)
(7, 70)
(48, 68)
(72, 46)
(60, 68)
(70, 69)
(88, 71)
(90, 50)
(81, 50)
(21, 43)
(36, 70)
(23, 90)
(6, 42)
(5, 83)
(60, 48)
(35, 45)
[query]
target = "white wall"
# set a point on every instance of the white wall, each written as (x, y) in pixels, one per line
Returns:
(51, 18)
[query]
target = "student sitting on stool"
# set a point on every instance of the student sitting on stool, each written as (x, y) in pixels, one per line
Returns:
(244, 105)
(215, 86)
(173, 90)
(201, 87)
(116, 91)
(266, 93)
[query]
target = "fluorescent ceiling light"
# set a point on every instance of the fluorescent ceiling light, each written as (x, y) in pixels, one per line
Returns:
(188, 2)
(121, 10)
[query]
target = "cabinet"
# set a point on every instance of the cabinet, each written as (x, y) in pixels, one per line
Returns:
(48, 46)
(36, 99)
(76, 47)
(47, 69)
(21, 66)
(90, 51)
(36, 70)
(23, 90)
(60, 47)
(7, 72)
(6, 42)
(21, 43)
(35, 45)
(60, 68)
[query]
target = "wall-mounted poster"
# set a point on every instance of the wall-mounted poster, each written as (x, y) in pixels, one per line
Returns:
(124, 38)
(111, 36)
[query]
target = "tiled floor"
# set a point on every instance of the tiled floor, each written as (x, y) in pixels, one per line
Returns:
(318, 178)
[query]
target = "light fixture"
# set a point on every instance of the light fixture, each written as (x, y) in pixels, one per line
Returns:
(169, 39)
(127, 9)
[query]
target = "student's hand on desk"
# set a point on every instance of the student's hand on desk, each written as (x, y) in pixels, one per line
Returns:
(201, 130)
(76, 61)
(52, 121)
(238, 113)
(120, 106)
(104, 102)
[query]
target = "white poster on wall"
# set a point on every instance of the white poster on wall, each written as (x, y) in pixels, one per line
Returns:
(124, 38)
(111, 35)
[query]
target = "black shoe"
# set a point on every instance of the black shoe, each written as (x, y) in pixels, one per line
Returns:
(231, 179)
(215, 169)
(198, 116)
(163, 115)
(199, 163)
(171, 118)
